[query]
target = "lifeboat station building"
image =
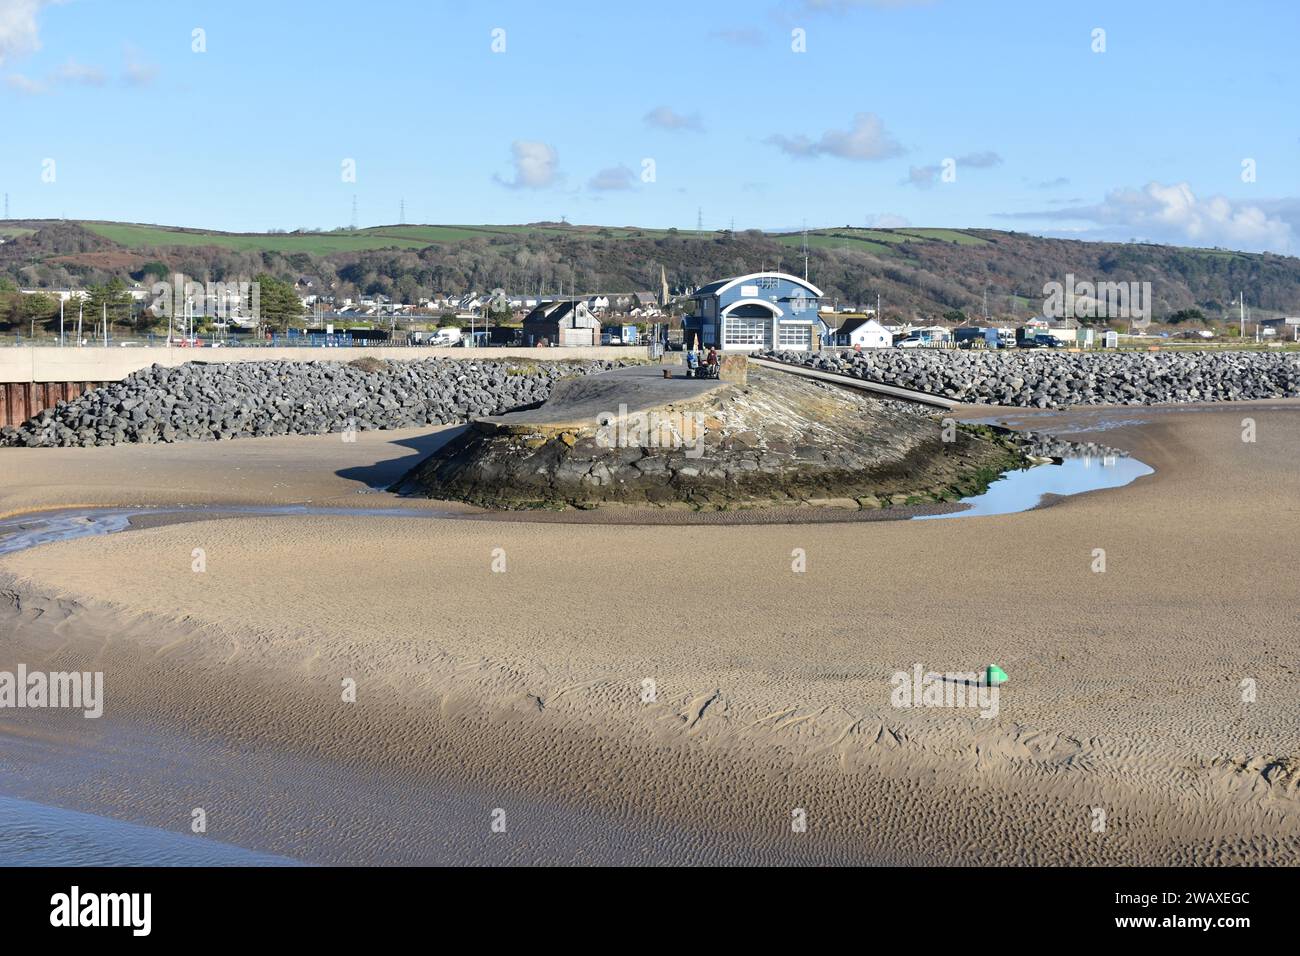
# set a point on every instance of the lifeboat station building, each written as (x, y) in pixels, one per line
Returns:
(765, 310)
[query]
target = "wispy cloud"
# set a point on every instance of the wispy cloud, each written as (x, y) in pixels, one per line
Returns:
(21, 83)
(984, 160)
(923, 177)
(665, 117)
(73, 72)
(79, 74)
(865, 140)
(740, 36)
(136, 72)
(615, 177)
(536, 165)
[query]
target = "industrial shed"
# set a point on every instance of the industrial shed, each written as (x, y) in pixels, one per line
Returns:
(564, 323)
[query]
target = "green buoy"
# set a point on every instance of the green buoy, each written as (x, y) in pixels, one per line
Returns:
(995, 675)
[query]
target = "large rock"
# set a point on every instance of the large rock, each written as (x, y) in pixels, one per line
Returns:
(1054, 379)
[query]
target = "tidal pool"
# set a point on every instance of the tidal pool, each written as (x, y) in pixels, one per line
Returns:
(1024, 489)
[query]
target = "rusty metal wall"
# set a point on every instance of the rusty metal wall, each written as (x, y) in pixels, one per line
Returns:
(19, 401)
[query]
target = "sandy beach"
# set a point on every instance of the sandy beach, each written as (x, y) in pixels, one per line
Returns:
(660, 693)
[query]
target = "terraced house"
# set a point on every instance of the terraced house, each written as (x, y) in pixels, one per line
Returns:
(762, 310)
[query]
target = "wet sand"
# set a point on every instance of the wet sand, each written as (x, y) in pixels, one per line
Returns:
(319, 469)
(525, 690)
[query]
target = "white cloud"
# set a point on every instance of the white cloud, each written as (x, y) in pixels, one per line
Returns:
(665, 117)
(19, 33)
(1173, 213)
(615, 177)
(866, 139)
(536, 165)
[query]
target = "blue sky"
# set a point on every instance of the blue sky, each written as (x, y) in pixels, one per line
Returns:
(1145, 140)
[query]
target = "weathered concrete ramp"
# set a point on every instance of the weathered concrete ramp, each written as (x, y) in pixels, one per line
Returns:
(580, 402)
(879, 388)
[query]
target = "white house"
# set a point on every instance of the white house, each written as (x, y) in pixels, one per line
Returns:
(471, 303)
(863, 333)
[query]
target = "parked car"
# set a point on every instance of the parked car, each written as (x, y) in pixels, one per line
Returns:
(1028, 339)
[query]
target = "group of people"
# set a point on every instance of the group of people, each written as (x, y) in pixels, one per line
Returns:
(710, 364)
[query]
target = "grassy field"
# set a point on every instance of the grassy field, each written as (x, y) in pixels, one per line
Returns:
(946, 235)
(881, 242)
(826, 240)
(137, 237)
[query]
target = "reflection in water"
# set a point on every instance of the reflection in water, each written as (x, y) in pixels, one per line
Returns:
(1025, 489)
